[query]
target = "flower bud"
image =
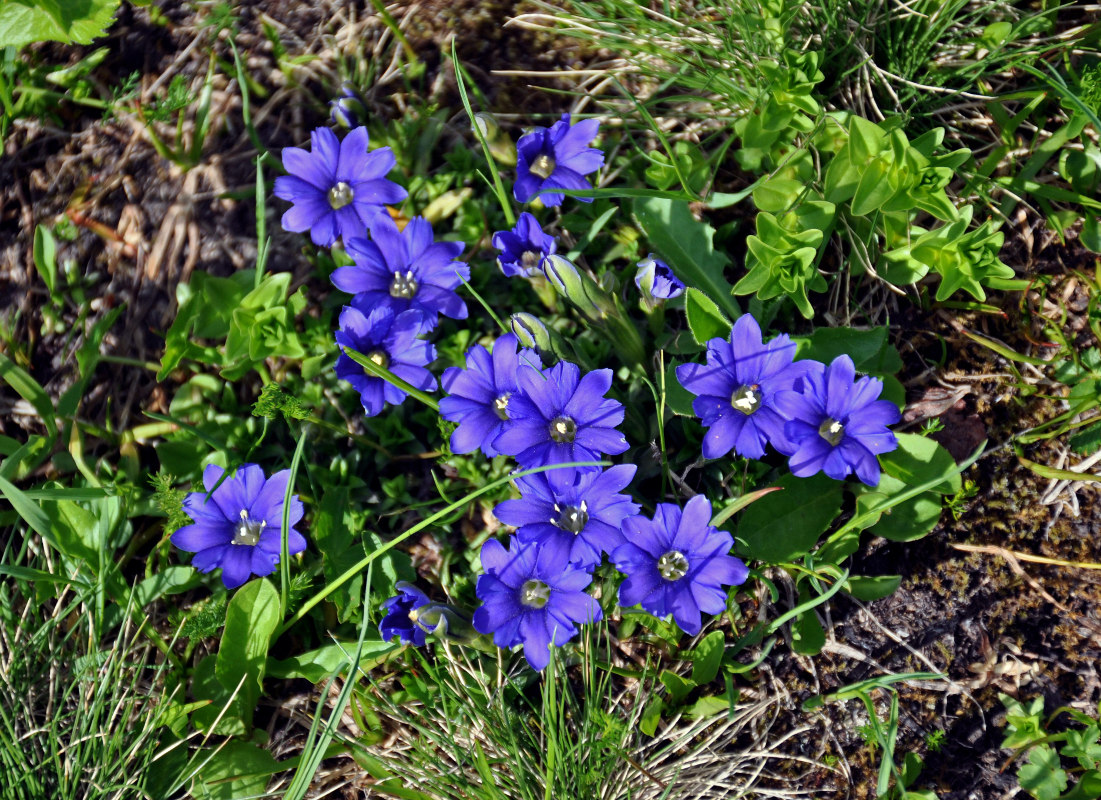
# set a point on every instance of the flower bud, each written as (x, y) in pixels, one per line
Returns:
(530, 331)
(348, 110)
(487, 124)
(656, 279)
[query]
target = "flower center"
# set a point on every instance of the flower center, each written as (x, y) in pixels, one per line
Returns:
(404, 286)
(247, 531)
(746, 399)
(500, 405)
(534, 594)
(831, 430)
(530, 259)
(379, 357)
(572, 518)
(673, 566)
(340, 195)
(543, 166)
(563, 429)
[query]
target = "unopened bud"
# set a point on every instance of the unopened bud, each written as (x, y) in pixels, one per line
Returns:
(530, 331)
(348, 110)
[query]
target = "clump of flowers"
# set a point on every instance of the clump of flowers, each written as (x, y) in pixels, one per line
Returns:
(678, 564)
(838, 424)
(338, 189)
(238, 523)
(556, 158)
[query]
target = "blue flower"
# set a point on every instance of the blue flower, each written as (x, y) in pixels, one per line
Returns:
(556, 158)
(836, 425)
(577, 511)
(677, 564)
(558, 416)
(237, 524)
(390, 340)
(338, 189)
(479, 396)
(523, 247)
(655, 278)
(736, 390)
(531, 596)
(406, 270)
(401, 618)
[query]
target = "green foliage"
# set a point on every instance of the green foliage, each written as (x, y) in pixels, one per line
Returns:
(1042, 774)
(71, 21)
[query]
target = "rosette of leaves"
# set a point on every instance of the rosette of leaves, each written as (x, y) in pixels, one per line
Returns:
(784, 108)
(883, 171)
(783, 255)
(963, 259)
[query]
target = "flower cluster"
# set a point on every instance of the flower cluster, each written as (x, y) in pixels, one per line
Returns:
(750, 394)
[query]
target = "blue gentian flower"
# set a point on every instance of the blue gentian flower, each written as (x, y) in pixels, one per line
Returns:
(390, 340)
(479, 396)
(736, 390)
(406, 270)
(530, 595)
(348, 110)
(655, 278)
(523, 247)
(559, 416)
(556, 158)
(337, 189)
(237, 524)
(401, 618)
(836, 425)
(677, 564)
(575, 510)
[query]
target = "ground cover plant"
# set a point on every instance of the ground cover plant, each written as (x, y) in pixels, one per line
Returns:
(694, 425)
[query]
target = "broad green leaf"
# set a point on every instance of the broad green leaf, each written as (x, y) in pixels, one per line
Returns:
(45, 253)
(785, 525)
(807, 636)
(919, 459)
(677, 398)
(1043, 776)
(705, 320)
(316, 665)
(225, 707)
(709, 706)
(870, 350)
(251, 619)
(678, 687)
(233, 770)
(686, 244)
(872, 587)
(706, 658)
(76, 21)
(651, 716)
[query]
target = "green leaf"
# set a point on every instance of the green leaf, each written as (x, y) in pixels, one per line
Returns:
(705, 320)
(686, 244)
(677, 398)
(251, 619)
(783, 526)
(1090, 237)
(807, 635)
(709, 706)
(317, 665)
(332, 533)
(651, 716)
(870, 350)
(71, 21)
(30, 390)
(45, 253)
(872, 587)
(678, 687)
(919, 459)
(1042, 777)
(706, 658)
(233, 770)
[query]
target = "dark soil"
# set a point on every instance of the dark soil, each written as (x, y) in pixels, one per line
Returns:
(141, 226)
